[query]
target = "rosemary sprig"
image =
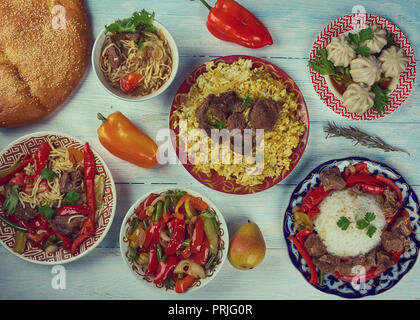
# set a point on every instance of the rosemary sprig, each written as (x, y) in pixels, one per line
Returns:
(360, 137)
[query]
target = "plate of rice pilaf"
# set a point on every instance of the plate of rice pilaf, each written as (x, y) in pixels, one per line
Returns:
(238, 93)
(353, 201)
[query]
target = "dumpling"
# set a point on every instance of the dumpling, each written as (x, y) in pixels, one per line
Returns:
(358, 98)
(340, 52)
(394, 61)
(379, 40)
(366, 70)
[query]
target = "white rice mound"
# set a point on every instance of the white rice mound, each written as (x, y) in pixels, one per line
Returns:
(353, 241)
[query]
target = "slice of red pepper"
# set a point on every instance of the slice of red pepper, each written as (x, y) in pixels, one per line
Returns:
(18, 169)
(42, 154)
(165, 268)
(301, 236)
(391, 184)
(313, 211)
(302, 250)
(229, 21)
(177, 238)
(73, 209)
(313, 198)
(141, 209)
(152, 233)
(153, 260)
(198, 235)
(372, 273)
(371, 189)
(202, 256)
(67, 242)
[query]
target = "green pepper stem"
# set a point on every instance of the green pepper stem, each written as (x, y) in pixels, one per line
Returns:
(206, 4)
(101, 117)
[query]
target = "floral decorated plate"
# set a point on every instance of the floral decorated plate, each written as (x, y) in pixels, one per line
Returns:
(387, 279)
(214, 180)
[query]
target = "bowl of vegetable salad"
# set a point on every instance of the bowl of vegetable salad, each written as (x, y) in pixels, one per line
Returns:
(174, 240)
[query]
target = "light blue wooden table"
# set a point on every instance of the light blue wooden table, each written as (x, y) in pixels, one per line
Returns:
(294, 25)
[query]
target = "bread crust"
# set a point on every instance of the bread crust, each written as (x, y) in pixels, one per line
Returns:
(43, 57)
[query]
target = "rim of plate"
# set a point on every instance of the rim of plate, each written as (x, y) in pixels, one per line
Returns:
(388, 277)
(123, 245)
(230, 186)
(113, 202)
(327, 93)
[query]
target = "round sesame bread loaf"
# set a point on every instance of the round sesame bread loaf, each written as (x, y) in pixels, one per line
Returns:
(44, 52)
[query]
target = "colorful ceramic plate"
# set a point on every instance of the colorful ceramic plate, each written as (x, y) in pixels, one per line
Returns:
(220, 183)
(330, 96)
(387, 279)
(28, 145)
(137, 269)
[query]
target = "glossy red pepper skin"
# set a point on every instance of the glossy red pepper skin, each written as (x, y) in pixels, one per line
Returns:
(141, 209)
(229, 21)
(313, 212)
(41, 158)
(67, 242)
(178, 236)
(198, 235)
(202, 256)
(302, 250)
(165, 268)
(183, 284)
(73, 209)
(21, 166)
(372, 189)
(301, 236)
(152, 234)
(313, 198)
(153, 260)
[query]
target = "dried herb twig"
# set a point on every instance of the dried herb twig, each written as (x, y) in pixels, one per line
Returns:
(360, 137)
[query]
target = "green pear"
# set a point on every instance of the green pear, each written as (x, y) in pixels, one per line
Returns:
(247, 247)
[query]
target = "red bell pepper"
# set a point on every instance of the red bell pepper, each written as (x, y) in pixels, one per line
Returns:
(25, 161)
(153, 260)
(88, 229)
(391, 184)
(313, 198)
(141, 209)
(89, 170)
(302, 250)
(361, 168)
(372, 189)
(165, 268)
(183, 284)
(73, 209)
(67, 242)
(152, 233)
(313, 211)
(178, 236)
(358, 178)
(42, 154)
(198, 235)
(202, 256)
(301, 236)
(229, 21)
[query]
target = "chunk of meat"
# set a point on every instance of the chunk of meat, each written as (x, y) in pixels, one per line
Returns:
(394, 241)
(132, 36)
(402, 225)
(332, 179)
(236, 121)
(327, 263)
(71, 180)
(356, 191)
(391, 203)
(113, 55)
(350, 266)
(315, 246)
(384, 261)
(60, 224)
(24, 214)
(264, 114)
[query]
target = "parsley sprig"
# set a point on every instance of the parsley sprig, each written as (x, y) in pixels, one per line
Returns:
(357, 40)
(381, 98)
(141, 19)
(365, 223)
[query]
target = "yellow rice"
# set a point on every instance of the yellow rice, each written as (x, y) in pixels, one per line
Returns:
(258, 83)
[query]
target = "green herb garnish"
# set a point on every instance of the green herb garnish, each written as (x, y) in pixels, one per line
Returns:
(139, 20)
(371, 230)
(343, 223)
(357, 39)
(219, 124)
(132, 253)
(381, 98)
(47, 174)
(47, 211)
(11, 202)
(247, 101)
(169, 282)
(365, 223)
(72, 197)
(321, 64)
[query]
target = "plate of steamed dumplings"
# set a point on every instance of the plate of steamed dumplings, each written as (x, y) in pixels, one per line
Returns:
(362, 71)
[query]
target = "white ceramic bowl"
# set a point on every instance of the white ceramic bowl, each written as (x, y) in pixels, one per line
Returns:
(96, 53)
(136, 269)
(27, 145)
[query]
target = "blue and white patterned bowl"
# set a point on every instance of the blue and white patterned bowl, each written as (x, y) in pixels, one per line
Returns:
(387, 279)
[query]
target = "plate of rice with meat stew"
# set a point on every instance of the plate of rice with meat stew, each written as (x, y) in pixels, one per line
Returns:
(351, 227)
(239, 124)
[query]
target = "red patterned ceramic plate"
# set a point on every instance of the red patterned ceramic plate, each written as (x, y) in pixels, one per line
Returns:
(403, 87)
(216, 181)
(27, 145)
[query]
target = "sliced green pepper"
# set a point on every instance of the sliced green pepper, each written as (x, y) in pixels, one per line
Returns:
(211, 234)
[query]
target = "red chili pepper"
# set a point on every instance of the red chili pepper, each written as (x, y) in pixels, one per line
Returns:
(18, 169)
(391, 184)
(229, 21)
(301, 236)
(312, 212)
(371, 274)
(88, 229)
(73, 209)
(202, 256)
(141, 209)
(371, 189)
(198, 235)
(313, 198)
(358, 178)
(41, 158)
(177, 238)
(67, 242)
(165, 268)
(152, 234)
(89, 171)
(153, 260)
(183, 284)
(302, 250)
(361, 168)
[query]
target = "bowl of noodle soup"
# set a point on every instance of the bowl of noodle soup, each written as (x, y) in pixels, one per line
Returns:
(156, 59)
(60, 161)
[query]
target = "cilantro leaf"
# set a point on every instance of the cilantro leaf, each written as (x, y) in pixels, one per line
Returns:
(365, 34)
(11, 202)
(353, 39)
(381, 98)
(141, 19)
(343, 223)
(363, 51)
(47, 211)
(361, 224)
(219, 124)
(321, 64)
(370, 216)
(47, 174)
(71, 197)
(371, 230)
(247, 101)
